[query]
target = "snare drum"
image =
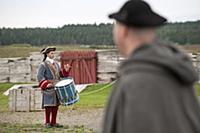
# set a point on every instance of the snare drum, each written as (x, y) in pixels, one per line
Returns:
(66, 92)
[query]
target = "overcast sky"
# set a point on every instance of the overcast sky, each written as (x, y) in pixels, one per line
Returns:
(56, 13)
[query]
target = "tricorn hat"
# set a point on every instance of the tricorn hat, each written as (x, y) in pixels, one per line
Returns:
(48, 49)
(138, 13)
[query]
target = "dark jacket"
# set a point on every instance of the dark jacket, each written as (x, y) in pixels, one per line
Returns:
(154, 94)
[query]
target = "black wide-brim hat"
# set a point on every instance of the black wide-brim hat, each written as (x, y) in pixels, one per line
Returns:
(48, 49)
(138, 13)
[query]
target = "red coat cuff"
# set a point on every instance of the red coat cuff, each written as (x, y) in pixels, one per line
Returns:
(43, 84)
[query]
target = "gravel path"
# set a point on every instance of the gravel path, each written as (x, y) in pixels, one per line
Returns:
(91, 118)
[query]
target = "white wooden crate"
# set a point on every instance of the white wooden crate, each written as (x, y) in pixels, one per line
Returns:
(25, 100)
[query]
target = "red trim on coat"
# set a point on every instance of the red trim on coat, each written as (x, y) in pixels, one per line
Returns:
(43, 84)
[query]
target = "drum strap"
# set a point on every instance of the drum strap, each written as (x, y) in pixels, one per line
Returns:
(53, 72)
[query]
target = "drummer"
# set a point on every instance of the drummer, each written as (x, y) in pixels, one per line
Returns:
(49, 73)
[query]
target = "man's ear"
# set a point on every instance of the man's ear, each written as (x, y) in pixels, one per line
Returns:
(124, 31)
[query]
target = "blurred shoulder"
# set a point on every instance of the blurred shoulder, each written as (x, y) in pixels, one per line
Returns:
(138, 80)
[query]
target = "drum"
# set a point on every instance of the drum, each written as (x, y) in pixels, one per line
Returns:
(66, 92)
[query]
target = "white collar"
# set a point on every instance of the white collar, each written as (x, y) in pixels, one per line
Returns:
(50, 60)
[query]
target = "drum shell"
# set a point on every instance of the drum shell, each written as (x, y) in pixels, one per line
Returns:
(67, 94)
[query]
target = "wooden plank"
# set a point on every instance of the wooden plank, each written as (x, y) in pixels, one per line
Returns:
(32, 100)
(22, 100)
(88, 72)
(83, 66)
(12, 100)
(38, 100)
(25, 100)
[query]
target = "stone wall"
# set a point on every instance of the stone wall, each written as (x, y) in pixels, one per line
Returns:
(108, 62)
(15, 70)
(25, 69)
(196, 61)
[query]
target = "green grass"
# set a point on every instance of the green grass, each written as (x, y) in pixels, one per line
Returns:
(30, 128)
(23, 50)
(87, 99)
(95, 100)
(3, 98)
(16, 51)
(198, 90)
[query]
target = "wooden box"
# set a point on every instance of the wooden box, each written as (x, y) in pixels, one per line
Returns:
(25, 99)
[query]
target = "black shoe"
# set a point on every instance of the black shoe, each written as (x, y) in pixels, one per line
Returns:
(48, 125)
(57, 125)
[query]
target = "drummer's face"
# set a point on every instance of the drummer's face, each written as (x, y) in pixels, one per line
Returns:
(51, 54)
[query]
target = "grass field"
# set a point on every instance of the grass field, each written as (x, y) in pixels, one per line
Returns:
(87, 100)
(13, 51)
(38, 128)
(198, 90)
(93, 97)
(94, 100)
(3, 98)
(23, 50)
(192, 48)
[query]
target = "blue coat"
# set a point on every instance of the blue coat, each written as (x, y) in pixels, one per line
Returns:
(48, 73)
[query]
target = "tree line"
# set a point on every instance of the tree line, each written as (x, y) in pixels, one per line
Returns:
(93, 34)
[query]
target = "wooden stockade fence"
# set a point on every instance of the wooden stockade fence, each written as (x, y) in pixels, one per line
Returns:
(107, 61)
(25, 69)
(83, 63)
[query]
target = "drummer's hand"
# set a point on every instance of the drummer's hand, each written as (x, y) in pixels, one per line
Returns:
(49, 85)
(67, 67)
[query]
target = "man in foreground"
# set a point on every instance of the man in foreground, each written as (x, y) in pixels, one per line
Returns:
(154, 92)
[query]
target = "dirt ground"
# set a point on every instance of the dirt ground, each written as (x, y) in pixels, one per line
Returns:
(91, 118)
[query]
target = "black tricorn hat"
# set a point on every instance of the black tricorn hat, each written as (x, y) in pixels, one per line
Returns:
(138, 13)
(48, 49)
